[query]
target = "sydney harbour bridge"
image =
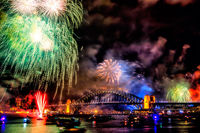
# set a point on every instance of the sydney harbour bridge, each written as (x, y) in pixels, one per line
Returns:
(116, 97)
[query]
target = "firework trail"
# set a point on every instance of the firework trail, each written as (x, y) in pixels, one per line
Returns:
(110, 71)
(37, 46)
(178, 91)
(41, 102)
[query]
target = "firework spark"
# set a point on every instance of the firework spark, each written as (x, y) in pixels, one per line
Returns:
(53, 7)
(68, 12)
(38, 47)
(24, 6)
(178, 91)
(41, 102)
(37, 36)
(73, 14)
(110, 71)
(38, 50)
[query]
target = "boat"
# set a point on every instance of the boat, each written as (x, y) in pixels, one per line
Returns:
(65, 121)
(74, 130)
(100, 118)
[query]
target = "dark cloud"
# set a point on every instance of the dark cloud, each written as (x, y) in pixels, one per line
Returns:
(147, 3)
(157, 39)
(161, 37)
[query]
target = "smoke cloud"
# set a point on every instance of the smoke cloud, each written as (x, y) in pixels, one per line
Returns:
(147, 3)
(182, 2)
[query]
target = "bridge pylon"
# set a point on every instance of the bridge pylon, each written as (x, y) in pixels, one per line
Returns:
(148, 101)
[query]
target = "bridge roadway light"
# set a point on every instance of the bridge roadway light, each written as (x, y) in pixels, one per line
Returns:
(181, 111)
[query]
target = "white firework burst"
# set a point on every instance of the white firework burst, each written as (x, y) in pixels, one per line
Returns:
(53, 7)
(110, 71)
(25, 6)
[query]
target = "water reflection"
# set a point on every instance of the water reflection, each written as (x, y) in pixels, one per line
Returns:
(93, 123)
(169, 120)
(36, 126)
(25, 125)
(40, 122)
(39, 126)
(161, 125)
(3, 127)
(155, 129)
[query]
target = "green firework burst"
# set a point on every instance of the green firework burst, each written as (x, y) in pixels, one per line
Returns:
(178, 91)
(40, 48)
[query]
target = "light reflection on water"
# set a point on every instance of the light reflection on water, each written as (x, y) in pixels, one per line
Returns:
(3, 127)
(39, 126)
(36, 126)
(25, 125)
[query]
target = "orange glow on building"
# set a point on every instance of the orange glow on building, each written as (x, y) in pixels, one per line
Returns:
(152, 99)
(148, 100)
(68, 106)
(95, 111)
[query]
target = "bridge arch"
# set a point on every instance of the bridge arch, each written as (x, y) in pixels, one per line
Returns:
(123, 96)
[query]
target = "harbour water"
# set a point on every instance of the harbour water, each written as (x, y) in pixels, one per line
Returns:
(112, 126)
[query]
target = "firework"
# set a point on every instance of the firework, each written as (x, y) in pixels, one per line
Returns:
(54, 7)
(195, 94)
(38, 47)
(69, 12)
(24, 6)
(41, 102)
(110, 71)
(38, 50)
(178, 91)
(195, 90)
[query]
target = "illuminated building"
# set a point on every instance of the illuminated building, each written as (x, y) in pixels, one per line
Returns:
(68, 106)
(148, 100)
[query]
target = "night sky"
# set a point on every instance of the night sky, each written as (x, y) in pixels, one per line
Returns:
(127, 22)
(118, 28)
(156, 43)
